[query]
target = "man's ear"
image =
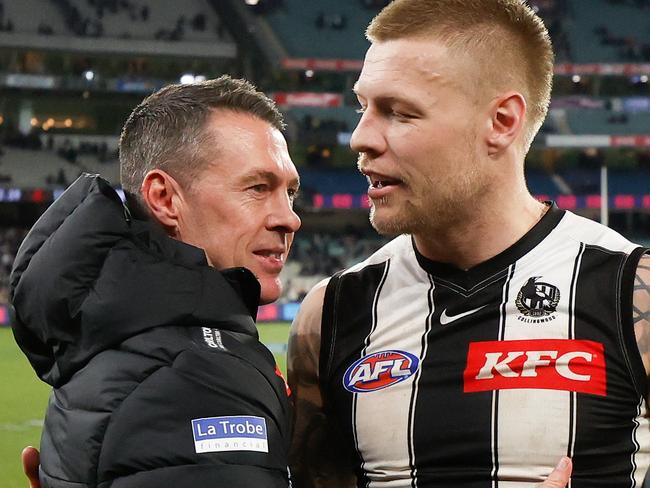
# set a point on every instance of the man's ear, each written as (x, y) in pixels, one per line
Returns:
(164, 197)
(508, 114)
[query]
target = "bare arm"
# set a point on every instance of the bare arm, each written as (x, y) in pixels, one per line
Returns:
(641, 310)
(317, 456)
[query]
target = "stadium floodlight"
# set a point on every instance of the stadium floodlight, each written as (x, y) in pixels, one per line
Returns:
(89, 75)
(643, 79)
(251, 2)
(576, 78)
(187, 78)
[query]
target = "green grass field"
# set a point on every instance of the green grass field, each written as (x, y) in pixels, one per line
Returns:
(23, 399)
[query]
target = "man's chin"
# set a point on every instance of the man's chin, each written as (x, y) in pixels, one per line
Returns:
(388, 225)
(271, 289)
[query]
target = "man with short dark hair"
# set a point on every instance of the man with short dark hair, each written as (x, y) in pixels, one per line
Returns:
(497, 333)
(141, 317)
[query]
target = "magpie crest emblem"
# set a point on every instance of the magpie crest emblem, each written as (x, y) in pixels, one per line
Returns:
(537, 300)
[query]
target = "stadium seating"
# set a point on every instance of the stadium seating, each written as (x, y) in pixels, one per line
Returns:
(296, 25)
(28, 15)
(133, 19)
(601, 121)
(593, 20)
(28, 168)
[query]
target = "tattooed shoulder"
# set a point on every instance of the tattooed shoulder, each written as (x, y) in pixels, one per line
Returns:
(641, 310)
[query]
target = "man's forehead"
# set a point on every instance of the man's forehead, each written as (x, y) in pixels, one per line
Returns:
(249, 147)
(424, 59)
(408, 64)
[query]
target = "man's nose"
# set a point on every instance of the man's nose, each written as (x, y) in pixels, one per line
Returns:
(283, 217)
(368, 136)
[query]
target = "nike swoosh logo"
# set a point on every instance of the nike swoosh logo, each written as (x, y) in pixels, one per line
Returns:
(448, 319)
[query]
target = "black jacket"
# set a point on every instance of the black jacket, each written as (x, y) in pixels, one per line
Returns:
(140, 339)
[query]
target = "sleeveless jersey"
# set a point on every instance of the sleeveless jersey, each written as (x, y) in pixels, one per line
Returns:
(484, 378)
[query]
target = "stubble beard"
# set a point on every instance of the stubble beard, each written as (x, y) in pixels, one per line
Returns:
(437, 206)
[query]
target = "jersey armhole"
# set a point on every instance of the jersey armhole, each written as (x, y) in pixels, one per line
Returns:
(328, 330)
(630, 347)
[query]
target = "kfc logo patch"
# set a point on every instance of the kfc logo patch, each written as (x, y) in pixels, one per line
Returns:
(380, 370)
(550, 364)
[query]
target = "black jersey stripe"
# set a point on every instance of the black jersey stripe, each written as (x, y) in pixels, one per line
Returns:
(599, 300)
(573, 397)
(495, 393)
(414, 392)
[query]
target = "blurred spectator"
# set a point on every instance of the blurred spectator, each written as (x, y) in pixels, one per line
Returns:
(320, 254)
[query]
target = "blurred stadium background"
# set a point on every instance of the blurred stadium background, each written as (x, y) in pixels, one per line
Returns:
(72, 70)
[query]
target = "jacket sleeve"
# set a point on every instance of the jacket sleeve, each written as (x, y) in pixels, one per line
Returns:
(210, 416)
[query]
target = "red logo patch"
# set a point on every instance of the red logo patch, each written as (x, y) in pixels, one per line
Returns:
(550, 364)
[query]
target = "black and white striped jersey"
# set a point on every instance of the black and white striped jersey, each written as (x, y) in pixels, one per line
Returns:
(484, 378)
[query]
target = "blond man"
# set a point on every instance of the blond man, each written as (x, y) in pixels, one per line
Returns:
(497, 333)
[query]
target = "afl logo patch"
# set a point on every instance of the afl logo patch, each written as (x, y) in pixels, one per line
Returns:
(380, 370)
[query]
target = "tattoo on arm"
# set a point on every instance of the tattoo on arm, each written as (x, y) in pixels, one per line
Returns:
(642, 289)
(319, 458)
(641, 310)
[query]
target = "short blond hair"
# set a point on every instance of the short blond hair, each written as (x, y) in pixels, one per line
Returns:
(510, 42)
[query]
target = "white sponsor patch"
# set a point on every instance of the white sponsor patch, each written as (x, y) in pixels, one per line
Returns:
(212, 338)
(230, 433)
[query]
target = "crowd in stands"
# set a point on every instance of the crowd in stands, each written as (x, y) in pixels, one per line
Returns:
(322, 254)
(66, 150)
(629, 48)
(555, 13)
(93, 26)
(77, 23)
(196, 23)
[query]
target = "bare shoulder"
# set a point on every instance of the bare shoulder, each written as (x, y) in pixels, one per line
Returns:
(304, 337)
(641, 309)
(318, 454)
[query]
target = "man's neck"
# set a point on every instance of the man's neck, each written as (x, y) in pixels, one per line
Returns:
(495, 226)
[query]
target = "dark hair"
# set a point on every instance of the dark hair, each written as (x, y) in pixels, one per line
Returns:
(168, 129)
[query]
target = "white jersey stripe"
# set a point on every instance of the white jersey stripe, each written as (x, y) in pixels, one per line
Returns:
(573, 419)
(403, 329)
(520, 431)
(367, 342)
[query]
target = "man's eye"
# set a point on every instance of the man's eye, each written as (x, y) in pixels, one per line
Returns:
(293, 193)
(261, 188)
(400, 115)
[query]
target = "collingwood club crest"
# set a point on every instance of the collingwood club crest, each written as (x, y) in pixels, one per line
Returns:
(537, 301)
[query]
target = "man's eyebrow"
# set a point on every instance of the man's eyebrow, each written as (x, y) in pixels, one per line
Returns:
(389, 98)
(269, 176)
